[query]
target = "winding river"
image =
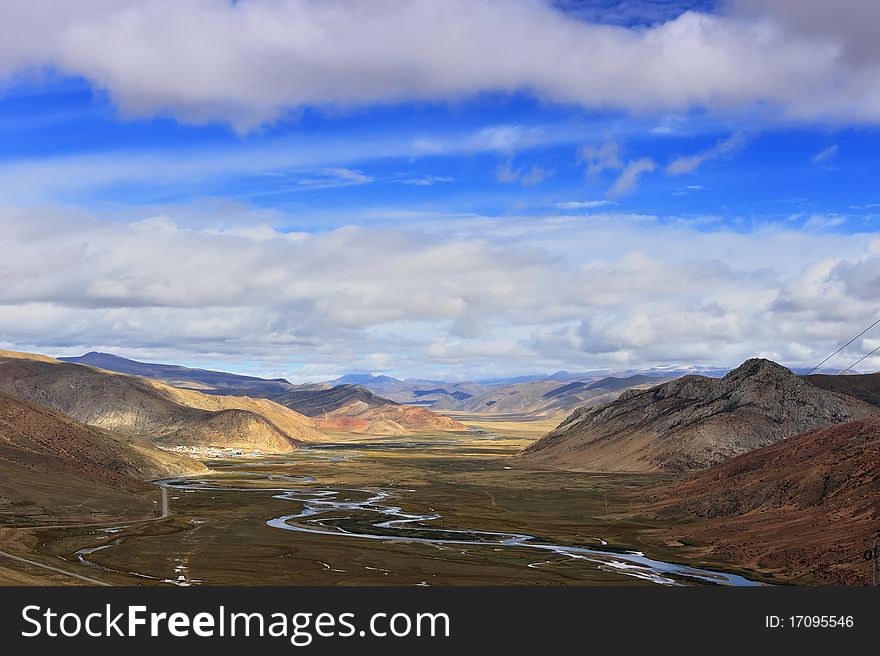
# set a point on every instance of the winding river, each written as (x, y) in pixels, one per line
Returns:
(374, 514)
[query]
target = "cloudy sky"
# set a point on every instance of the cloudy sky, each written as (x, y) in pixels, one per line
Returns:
(450, 189)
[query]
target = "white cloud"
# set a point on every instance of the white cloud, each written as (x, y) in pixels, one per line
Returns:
(669, 125)
(722, 148)
(507, 138)
(825, 154)
(583, 204)
(427, 180)
(535, 175)
(688, 190)
(601, 158)
(819, 221)
(459, 296)
(252, 61)
(850, 25)
(608, 157)
(328, 178)
(277, 165)
(629, 177)
(527, 177)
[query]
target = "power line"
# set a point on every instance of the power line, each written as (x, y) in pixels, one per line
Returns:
(864, 357)
(843, 347)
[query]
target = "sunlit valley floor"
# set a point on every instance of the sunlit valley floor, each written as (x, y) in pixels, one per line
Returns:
(759, 476)
(217, 530)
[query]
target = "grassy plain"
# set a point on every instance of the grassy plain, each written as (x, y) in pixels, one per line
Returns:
(221, 537)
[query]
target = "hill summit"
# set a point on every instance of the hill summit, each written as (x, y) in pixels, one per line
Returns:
(694, 422)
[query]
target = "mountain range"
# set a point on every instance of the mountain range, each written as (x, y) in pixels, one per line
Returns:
(81, 442)
(337, 407)
(694, 422)
(778, 471)
(552, 395)
(545, 398)
(140, 406)
(356, 409)
(201, 380)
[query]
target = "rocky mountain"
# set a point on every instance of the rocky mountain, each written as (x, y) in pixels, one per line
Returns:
(546, 398)
(693, 422)
(567, 398)
(352, 408)
(367, 379)
(865, 387)
(166, 415)
(412, 391)
(546, 395)
(314, 402)
(518, 398)
(807, 506)
(664, 372)
(52, 466)
(202, 380)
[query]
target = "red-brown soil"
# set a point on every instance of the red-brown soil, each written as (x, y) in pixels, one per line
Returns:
(52, 466)
(806, 507)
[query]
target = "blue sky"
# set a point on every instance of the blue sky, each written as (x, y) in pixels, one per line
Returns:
(773, 175)
(697, 186)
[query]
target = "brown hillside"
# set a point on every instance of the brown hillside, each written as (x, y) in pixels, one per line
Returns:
(387, 420)
(54, 467)
(693, 422)
(139, 406)
(865, 387)
(806, 507)
(354, 409)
